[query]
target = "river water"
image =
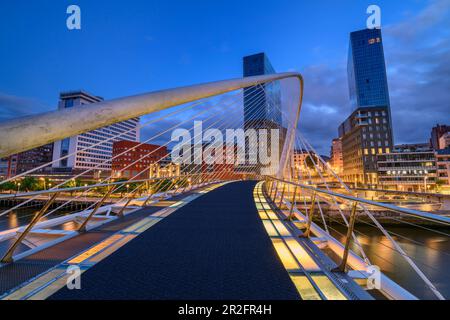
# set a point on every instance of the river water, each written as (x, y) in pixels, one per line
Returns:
(430, 250)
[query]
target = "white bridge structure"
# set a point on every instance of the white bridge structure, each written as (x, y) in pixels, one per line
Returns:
(291, 204)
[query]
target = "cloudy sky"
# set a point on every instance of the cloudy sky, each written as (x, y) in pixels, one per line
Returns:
(131, 47)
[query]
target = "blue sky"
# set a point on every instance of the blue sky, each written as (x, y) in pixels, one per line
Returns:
(130, 47)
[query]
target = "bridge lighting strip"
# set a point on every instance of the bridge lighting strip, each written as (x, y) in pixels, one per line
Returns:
(46, 284)
(305, 273)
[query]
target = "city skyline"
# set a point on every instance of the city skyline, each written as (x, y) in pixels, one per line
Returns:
(178, 151)
(323, 63)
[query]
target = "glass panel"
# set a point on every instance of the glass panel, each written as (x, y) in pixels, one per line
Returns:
(328, 289)
(270, 228)
(285, 255)
(305, 288)
(281, 228)
(262, 215)
(300, 253)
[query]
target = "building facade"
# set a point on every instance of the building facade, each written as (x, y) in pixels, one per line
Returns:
(367, 132)
(26, 161)
(337, 161)
(266, 107)
(436, 133)
(408, 168)
(99, 142)
(443, 168)
(444, 141)
(132, 160)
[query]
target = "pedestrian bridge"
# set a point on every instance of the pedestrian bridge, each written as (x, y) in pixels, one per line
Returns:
(211, 231)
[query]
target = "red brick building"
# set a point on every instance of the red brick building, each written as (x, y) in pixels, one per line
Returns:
(136, 159)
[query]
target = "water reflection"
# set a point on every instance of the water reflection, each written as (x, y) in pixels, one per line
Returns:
(429, 250)
(21, 217)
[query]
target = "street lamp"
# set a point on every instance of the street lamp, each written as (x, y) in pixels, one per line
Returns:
(18, 186)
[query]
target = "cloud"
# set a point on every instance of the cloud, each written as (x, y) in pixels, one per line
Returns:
(417, 52)
(428, 18)
(14, 106)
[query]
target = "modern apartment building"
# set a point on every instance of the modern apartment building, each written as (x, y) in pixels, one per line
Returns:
(91, 150)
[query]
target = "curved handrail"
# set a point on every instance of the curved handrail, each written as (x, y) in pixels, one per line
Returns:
(416, 213)
(25, 133)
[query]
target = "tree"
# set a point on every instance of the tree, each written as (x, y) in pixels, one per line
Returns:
(30, 184)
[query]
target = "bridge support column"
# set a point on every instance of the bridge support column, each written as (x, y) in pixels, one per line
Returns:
(282, 195)
(130, 198)
(272, 197)
(351, 225)
(8, 257)
(307, 233)
(293, 203)
(83, 226)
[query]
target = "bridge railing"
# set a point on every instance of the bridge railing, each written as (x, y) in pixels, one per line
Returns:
(142, 192)
(290, 195)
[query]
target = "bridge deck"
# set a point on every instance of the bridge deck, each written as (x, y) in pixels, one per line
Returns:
(213, 248)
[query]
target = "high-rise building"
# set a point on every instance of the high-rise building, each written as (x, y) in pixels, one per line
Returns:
(97, 157)
(262, 104)
(368, 130)
(436, 133)
(366, 70)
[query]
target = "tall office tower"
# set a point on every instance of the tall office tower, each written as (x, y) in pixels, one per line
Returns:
(267, 108)
(368, 130)
(262, 105)
(98, 156)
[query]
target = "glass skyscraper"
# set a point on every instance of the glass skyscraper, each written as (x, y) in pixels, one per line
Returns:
(367, 70)
(367, 132)
(257, 104)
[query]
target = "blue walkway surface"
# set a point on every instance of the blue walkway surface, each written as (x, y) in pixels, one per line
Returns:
(213, 248)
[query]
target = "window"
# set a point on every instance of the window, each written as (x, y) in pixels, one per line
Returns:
(68, 103)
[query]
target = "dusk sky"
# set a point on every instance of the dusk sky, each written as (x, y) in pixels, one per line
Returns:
(131, 47)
